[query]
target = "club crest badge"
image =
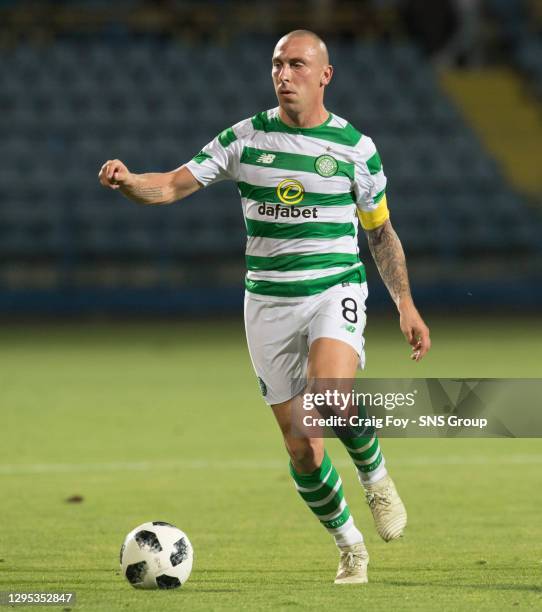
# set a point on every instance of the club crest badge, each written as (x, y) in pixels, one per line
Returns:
(326, 165)
(263, 386)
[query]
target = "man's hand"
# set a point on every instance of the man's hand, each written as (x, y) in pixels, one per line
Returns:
(151, 187)
(415, 331)
(114, 174)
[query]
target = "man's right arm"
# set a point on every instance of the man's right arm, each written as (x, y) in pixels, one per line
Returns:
(150, 188)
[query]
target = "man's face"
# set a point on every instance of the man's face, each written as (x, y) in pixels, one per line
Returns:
(299, 72)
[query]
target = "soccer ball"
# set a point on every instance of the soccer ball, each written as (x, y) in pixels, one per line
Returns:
(156, 555)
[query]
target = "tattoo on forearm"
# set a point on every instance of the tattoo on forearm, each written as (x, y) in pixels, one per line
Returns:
(148, 193)
(389, 257)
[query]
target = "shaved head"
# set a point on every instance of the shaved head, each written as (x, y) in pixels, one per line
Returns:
(319, 44)
(301, 71)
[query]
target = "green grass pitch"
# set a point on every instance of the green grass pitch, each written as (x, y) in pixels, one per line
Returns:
(164, 422)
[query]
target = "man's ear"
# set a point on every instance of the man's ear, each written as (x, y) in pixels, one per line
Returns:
(326, 77)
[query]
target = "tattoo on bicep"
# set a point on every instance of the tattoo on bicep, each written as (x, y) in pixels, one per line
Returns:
(389, 257)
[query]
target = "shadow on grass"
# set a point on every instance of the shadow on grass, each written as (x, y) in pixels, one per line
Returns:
(475, 569)
(55, 570)
(255, 570)
(490, 587)
(196, 591)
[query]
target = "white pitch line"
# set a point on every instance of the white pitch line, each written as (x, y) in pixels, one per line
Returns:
(246, 464)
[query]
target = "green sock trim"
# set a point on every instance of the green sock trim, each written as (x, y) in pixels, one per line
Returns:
(323, 491)
(331, 505)
(315, 480)
(356, 442)
(364, 455)
(339, 521)
(315, 477)
(372, 466)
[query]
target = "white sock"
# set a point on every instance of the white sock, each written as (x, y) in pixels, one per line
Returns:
(366, 478)
(348, 534)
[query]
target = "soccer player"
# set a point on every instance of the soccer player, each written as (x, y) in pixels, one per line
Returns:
(305, 175)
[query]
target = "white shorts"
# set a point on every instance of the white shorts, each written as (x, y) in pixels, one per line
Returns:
(280, 332)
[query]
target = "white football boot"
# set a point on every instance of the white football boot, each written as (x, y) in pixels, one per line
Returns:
(388, 510)
(353, 565)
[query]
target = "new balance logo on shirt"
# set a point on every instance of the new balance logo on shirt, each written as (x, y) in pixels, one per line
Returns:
(266, 158)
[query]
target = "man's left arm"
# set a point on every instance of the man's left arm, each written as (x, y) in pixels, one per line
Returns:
(389, 257)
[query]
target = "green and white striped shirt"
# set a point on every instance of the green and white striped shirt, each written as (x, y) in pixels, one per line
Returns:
(302, 190)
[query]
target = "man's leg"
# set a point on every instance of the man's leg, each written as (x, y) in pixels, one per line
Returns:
(335, 359)
(319, 484)
(317, 481)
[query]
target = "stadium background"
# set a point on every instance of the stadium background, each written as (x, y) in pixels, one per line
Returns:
(152, 82)
(124, 378)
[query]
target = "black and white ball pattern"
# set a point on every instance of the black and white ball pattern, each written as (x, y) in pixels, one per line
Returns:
(156, 555)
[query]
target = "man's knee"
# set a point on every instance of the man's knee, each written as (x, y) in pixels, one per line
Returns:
(331, 394)
(306, 454)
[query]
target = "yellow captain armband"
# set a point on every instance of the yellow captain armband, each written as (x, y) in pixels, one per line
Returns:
(374, 218)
